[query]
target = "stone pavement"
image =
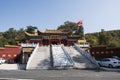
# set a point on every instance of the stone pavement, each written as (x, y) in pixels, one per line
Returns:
(59, 75)
(9, 67)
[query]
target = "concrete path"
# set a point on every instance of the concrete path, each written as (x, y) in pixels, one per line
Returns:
(59, 75)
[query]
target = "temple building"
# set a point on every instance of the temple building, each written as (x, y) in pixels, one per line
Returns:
(52, 37)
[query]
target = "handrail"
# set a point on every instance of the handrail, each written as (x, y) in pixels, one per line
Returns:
(87, 55)
(31, 57)
(68, 56)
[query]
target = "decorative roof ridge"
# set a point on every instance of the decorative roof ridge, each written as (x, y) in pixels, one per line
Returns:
(55, 31)
(52, 30)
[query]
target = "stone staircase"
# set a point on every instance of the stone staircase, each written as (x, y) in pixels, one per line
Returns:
(60, 57)
(44, 58)
(40, 59)
(80, 61)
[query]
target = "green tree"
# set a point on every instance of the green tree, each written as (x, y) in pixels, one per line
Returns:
(93, 40)
(102, 38)
(20, 35)
(1, 40)
(72, 28)
(68, 26)
(108, 38)
(9, 36)
(31, 29)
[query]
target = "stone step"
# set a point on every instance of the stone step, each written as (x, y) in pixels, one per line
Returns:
(79, 60)
(60, 57)
(41, 58)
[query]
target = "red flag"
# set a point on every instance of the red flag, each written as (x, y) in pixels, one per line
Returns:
(79, 23)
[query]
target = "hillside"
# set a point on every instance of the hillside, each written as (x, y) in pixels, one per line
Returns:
(108, 38)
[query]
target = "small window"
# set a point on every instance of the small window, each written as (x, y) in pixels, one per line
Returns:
(9, 55)
(105, 60)
(106, 52)
(97, 52)
(111, 51)
(15, 55)
(3, 55)
(93, 53)
(102, 52)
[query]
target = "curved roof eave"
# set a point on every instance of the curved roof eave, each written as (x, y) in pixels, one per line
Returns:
(29, 34)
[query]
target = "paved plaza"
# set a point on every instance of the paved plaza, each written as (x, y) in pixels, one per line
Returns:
(59, 75)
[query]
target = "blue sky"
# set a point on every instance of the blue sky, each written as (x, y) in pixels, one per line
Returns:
(49, 14)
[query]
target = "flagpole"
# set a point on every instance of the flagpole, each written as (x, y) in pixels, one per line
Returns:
(80, 24)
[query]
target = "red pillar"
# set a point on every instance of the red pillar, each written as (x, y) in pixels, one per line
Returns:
(40, 43)
(49, 42)
(59, 41)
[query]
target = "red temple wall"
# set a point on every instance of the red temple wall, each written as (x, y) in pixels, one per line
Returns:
(10, 53)
(104, 52)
